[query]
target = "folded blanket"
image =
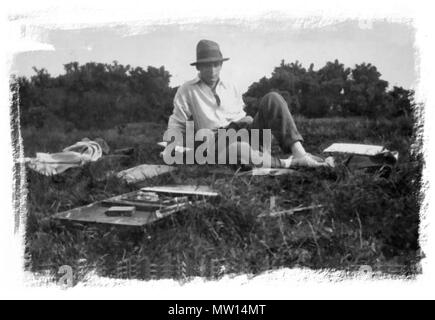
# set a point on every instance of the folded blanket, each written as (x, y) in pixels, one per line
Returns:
(143, 172)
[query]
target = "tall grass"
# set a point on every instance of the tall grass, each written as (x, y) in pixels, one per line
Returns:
(366, 219)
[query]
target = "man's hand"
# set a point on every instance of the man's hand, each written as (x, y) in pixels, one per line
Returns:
(245, 122)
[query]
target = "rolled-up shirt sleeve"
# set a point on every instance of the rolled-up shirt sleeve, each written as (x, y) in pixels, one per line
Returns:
(180, 115)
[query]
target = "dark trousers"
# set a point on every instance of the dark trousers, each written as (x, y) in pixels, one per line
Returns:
(273, 114)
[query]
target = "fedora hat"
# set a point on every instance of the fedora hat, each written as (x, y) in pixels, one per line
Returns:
(208, 51)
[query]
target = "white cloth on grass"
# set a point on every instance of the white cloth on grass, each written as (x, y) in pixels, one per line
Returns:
(73, 156)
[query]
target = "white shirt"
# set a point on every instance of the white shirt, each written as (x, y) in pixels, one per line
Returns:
(196, 101)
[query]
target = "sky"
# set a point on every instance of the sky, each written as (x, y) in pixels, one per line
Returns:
(254, 47)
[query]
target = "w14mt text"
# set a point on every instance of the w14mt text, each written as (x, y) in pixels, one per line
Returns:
(238, 309)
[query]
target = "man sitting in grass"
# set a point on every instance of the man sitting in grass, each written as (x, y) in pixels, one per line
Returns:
(214, 103)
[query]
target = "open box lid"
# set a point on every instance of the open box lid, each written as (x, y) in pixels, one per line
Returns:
(146, 213)
(363, 156)
(357, 149)
(183, 190)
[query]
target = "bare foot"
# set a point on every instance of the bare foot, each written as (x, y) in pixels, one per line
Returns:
(307, 160)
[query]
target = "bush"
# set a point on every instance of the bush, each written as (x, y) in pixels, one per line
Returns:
(94, 95)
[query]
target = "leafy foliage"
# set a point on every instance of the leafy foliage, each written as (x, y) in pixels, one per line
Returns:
(95, 95)
(333, 90)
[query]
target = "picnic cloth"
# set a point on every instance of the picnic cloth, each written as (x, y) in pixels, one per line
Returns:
(73, 156)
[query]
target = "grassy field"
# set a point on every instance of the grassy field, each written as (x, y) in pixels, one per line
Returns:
(366, 219)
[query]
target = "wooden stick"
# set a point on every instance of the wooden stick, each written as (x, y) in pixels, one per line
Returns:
(290, 211)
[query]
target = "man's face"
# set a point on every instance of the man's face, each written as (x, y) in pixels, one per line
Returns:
(209, 72)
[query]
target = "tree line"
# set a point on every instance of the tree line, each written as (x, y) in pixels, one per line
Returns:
(94, 95)
(333, 90)
(97, 95)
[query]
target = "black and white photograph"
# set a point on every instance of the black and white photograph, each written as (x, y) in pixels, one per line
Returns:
(203, 145)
